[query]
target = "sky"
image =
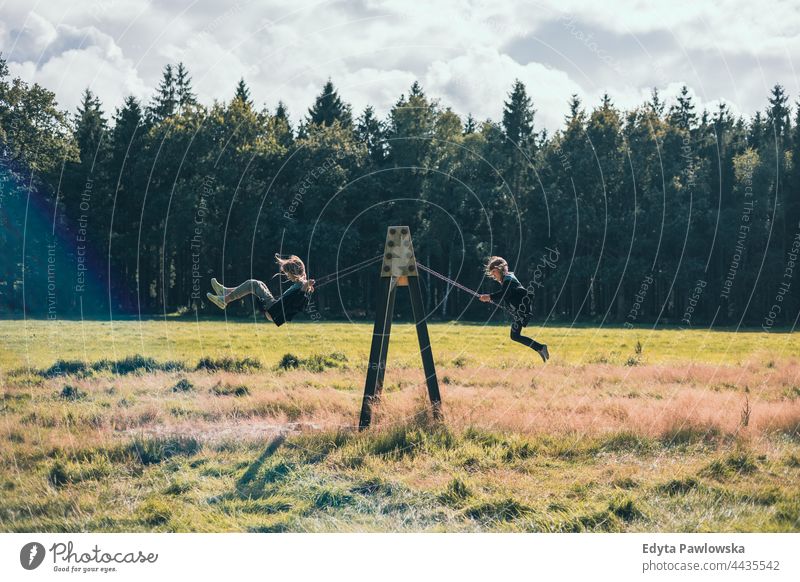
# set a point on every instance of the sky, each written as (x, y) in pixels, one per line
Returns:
(466, 54)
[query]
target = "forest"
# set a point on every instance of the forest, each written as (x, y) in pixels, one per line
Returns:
(663, 214)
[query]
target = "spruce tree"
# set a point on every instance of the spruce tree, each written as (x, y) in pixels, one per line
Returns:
(518, 116)
(470, 125)
(90, 127)
(370, 131)
(682, 114)
(656, 104)
(283, 126)
(183, 88)
(165, 101)
(243, 93)
(329, 107)
(778, 114)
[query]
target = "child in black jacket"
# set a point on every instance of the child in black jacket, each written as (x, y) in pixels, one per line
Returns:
(514, 296)
(280, 310)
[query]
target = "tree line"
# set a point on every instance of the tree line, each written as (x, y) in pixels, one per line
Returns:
(662, 213)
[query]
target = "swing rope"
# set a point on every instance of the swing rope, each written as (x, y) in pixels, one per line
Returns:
(336, 275)
(458, 285)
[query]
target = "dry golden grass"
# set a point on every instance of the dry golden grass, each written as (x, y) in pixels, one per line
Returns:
(667, 445)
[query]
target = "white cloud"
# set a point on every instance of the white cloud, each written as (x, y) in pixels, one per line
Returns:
(735, 26)
(71, 59)
(374, 49)
(480, 80)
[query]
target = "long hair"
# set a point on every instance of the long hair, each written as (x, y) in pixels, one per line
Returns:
(498, 263)
(291, 268)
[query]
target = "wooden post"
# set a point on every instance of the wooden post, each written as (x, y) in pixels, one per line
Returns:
(399, 269)
(425, 347)
(380, 338)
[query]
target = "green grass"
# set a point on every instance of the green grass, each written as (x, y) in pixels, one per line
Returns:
(37, 343)
(403, 482)
(180, 426)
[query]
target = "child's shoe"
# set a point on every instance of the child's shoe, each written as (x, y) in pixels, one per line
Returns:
(544, 353)
(216, 300)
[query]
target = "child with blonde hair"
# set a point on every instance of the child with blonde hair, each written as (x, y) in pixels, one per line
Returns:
(279, 310)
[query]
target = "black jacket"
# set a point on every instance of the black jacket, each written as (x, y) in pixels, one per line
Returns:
(292, 302)
(513, 295)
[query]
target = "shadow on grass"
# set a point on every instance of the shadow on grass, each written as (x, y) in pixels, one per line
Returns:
(245, 482)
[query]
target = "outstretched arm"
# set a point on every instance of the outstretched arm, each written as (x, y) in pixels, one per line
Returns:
(497, 296)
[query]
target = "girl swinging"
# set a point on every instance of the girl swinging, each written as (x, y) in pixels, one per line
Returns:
(514, 296)
(279, 310)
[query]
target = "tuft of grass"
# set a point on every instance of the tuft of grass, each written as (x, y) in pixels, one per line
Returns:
(332, 498)
(178, 488)
(136, 364)
(687, 434)
(498, 510)
(57, 476)
(602, 521)
(154, 511)
(228, 364)
(460, 361)
(789, 512)
(625, 508)
(679, 486)
(239, 390)
(289, 362)
(314, 363)
(66, 368)
(622, 442)
(625, 483)
(737, 463)
(456, 493)
(69, 392)
(150, 451)
(373, 486)
(183, 385)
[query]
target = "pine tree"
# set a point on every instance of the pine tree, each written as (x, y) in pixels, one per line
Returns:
(90, 127)
(518, 116)
(183, 88)
(682, 114)
(778, 114)
(128, 124)
(283, 126)
(329, 107)
(370, 131)
(755, 131)
(470, 125)
(165, 101)
(243, 93)
(656, 104)
(576, 113)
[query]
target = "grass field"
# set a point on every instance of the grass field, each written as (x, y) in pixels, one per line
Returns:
(237, 426)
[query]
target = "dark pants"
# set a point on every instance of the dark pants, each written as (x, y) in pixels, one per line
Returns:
(516, 335)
